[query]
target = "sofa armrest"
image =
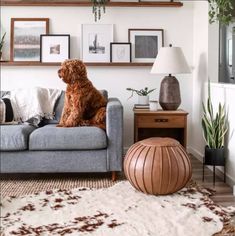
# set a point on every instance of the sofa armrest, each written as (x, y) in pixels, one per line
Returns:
(114, 130)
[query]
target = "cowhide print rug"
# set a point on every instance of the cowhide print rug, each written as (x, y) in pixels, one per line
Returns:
(119, 210)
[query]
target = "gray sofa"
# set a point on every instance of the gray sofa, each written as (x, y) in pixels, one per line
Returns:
(51, 149)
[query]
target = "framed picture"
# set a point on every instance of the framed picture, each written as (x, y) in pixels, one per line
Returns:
(25, 38)
(120, 52)
(54, 47)
(96, 39)
(146, 44)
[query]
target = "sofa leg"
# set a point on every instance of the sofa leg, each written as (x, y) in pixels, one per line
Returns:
(114, 176)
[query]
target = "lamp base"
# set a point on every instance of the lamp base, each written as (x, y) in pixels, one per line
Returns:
(169, 97)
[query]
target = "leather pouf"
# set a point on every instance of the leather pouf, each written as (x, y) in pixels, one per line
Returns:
(157, 166)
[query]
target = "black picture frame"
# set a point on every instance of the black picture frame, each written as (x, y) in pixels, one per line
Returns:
(54, 52)
(125, 58)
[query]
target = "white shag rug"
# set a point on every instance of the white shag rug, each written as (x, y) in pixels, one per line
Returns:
(119, 210)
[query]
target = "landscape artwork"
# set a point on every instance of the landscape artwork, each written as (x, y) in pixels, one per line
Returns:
(26, 42)
(55, 49)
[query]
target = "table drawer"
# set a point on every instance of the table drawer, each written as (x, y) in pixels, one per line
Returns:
(160, 121)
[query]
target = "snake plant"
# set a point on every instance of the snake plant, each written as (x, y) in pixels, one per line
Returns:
(97, 6)
(214, 125)
(221, 11)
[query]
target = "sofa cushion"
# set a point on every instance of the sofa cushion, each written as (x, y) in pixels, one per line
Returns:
(15, 137)
(50, 137)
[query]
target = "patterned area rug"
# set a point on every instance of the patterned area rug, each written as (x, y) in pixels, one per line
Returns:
(117, 210)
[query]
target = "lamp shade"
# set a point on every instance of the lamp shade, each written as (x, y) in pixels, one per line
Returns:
(170, 60)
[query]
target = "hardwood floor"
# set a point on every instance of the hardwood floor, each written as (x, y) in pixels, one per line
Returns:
(224, 193)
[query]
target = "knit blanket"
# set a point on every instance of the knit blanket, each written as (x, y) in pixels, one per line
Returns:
(32, 104)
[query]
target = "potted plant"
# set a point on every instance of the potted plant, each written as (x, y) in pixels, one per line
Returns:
(97, 6)
(214, 129)
(221, 11)
(1, 44)
(143, 94)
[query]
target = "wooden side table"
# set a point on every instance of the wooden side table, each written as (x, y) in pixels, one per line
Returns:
(160, 124)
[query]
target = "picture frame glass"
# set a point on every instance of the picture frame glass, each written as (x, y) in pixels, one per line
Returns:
(96, 39)
(145, 44)
(55, 48)
(121, 52)
(25, 38)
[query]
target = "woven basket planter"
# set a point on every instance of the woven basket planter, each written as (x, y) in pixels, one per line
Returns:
(157, 166)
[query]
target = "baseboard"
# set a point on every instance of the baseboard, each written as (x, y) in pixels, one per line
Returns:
(229, 180)
(195, 153)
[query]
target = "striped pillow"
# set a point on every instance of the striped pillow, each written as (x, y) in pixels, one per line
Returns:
(6, 111)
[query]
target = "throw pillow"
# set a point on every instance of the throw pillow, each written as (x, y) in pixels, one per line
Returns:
(6, 111)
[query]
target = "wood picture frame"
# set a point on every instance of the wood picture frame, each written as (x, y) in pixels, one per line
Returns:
(120, 52)
(54, 47)
(146, 43)
(25, 38)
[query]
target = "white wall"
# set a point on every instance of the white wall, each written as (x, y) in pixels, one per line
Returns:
(225, 94)
(200, 73)
(213, 52)
(178, 29)
(206, 63)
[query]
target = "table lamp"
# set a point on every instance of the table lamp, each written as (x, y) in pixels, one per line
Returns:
(170, 60)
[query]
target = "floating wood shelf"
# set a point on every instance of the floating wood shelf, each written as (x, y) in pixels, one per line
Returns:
(25, 63)
(86, 3)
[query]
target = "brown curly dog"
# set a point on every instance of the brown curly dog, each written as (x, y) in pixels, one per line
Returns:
(84, 105)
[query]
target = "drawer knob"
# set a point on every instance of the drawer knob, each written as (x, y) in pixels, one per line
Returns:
(161, 120)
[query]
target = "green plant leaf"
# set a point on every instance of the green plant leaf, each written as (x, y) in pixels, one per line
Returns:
(214, 125)
(141, 92)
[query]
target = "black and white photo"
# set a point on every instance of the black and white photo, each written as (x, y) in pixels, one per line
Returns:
(96, 39)
(146, 44)
(54, 47)
(95, 44)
